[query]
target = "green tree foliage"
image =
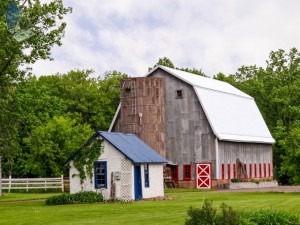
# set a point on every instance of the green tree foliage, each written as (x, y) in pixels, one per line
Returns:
(52, 143)
(46, 23)
(76, 103)
(276, 90)
(47, 26)
(168, 63)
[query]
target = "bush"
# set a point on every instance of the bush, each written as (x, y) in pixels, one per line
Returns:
(204, 216)
(270, 217)
(77, 198)
(207, 215)
(227, 216)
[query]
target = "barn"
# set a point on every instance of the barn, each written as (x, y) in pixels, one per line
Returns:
(208, 130)
(127, 169)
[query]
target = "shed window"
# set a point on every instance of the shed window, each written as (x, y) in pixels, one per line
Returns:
(146, 174)
(100, 175)
(178, 93)
(187, 172)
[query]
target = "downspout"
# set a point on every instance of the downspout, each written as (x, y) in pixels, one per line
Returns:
(217, 159)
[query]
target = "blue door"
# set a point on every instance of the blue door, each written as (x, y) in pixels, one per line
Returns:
(137, 183)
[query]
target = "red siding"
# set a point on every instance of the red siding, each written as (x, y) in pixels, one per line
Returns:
(223, 171)
(234, 171)
(228, 171)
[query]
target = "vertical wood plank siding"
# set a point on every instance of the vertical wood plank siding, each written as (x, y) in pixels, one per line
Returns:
(255, 157)
(189, 136)
(143, 111)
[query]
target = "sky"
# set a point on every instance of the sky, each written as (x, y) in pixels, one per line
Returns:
(213, 35)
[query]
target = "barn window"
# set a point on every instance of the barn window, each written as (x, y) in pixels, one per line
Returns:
(146, 173)
(178, 93)
(187, 172)
(100, 175)
(174, 172)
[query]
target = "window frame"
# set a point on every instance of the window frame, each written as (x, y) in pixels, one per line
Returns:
(185, 167)
(97, 164)
(146, 176)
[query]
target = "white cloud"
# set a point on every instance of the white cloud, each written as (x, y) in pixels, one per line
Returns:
(130, 35)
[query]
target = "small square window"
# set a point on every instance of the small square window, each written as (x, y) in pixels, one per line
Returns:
(179, 94)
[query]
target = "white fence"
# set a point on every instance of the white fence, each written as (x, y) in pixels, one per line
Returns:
(32, 183)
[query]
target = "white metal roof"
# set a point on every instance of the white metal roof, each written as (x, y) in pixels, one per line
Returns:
(200, 81)
(232, 117)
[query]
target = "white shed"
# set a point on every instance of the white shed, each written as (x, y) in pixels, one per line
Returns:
(127, 169)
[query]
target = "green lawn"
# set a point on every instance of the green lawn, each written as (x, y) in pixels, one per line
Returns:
(9, 197)
(142, 212)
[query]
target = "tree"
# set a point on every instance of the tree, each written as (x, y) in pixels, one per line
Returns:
(34, 103)
(45, 22)
(52, 143)
(109, 88)
(95, 99)
(168, 63)
(163, 62)
(46, 27)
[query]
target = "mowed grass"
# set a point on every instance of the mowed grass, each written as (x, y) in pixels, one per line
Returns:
(142, 212)
(10, 197)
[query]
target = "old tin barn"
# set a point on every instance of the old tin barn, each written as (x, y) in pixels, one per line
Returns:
(208, 130)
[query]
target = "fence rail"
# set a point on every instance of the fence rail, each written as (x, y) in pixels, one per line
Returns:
(32, 183)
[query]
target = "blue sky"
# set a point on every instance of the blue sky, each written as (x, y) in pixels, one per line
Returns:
(213, 35)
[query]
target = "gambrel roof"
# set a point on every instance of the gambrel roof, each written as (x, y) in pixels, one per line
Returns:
(233, 115)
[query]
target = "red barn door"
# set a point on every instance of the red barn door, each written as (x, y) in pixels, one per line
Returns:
(203, 171)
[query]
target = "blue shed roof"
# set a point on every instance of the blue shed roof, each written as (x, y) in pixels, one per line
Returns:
(132, 147)
(129, 145)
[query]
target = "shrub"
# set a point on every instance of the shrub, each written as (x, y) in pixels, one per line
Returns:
(207, 215)
(270, 217)
(227, 216)
(203, 216)
(77, 198)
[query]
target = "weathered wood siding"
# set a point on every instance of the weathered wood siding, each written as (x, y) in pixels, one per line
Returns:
(143, 111)
(253, 154)
(188, 134)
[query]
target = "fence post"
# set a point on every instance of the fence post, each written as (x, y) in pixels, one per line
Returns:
(9, 183)
(62, 183)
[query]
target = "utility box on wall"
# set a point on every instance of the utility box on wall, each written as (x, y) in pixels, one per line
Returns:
(118, 175)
